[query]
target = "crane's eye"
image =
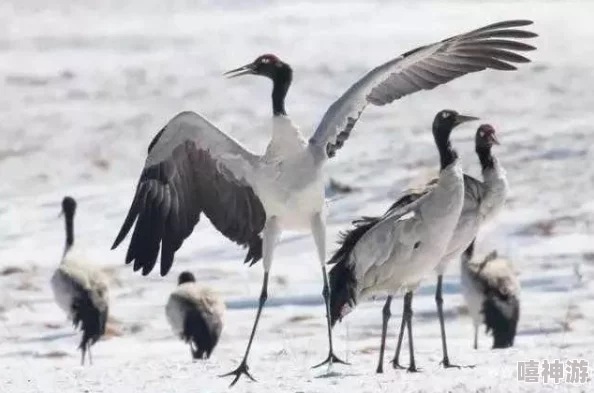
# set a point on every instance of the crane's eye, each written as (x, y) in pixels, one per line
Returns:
(482, 133)
(445, 115)
(265, 60)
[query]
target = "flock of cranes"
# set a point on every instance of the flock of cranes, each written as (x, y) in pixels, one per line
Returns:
(193, 168)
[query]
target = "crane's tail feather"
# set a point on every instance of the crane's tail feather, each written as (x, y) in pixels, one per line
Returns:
(202, 330)
(343, 283)
(343, 290)
(91, 318)
(254, 253)
(501, 317)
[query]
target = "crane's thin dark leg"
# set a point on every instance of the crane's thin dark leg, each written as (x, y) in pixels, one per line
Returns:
(270, 237)
(412, 367)
(439, 301)
(82, 356)
(318, 230)
(332, 358)
(90, 355)
(243, 366)
(475, 336)
(395, 361)
(386, 314)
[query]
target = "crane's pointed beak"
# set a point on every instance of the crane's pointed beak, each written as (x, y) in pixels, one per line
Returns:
(463, 119)
(247, 69)
(494, 139)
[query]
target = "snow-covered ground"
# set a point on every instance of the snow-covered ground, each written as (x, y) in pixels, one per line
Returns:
(86, 84)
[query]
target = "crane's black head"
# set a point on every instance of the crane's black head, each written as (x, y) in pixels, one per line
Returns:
(68, 206)
(484, 140)
(446, 120)
(265, 65)
(185, 277)
(443, 124)
(278, 71)
(485, 137)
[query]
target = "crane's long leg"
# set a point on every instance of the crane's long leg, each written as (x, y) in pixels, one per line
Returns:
(439, 301)
(395, 361)
(90, 355)
(386, 314)
(412, 367)
(270, 237)
(318, 230)
(83, 352)
(475, 335)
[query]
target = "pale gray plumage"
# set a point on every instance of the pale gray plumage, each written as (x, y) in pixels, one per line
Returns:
(491, 291)
(195, 314)
(424, 68)
(482, 201)
(192, 167)
(80, 289)
(393, 254)
(405, 244)
(398, 250)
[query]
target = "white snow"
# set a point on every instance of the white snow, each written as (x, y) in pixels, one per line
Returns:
(84, 87)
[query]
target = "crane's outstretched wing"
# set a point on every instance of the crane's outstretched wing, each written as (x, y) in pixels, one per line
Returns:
(423, 68)
(192, 167)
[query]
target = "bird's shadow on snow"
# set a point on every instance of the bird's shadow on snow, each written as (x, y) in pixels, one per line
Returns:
(241, 304)
(336, 374)
(49, 337)
(540, 330)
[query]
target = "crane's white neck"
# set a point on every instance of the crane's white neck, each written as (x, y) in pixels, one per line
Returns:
(286, 138)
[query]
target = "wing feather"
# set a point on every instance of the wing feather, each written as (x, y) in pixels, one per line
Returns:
(423, 68)
(191, 168)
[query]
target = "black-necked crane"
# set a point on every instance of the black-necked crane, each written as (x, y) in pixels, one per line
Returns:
(195, 314)
(80, 289)
(399, 249)
(482, 201)
(192, 167)
(492, 293)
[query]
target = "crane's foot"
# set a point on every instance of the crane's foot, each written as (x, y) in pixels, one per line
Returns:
(396, 365)
(413, 369)
(330, 360)
(446, 364)
(238, 372)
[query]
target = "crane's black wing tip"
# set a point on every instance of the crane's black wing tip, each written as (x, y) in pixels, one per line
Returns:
(522, 22)
(164, 270)
(118, 240)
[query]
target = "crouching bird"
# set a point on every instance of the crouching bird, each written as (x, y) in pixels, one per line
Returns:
(492, 294)
(80, 289)
(195, 314)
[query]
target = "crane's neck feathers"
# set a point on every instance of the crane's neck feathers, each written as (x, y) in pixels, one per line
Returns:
(69, 220)
(447, 153)
(485, 157)
(281, 81)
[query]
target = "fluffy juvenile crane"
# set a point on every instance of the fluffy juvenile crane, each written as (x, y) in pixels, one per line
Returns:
(492, 293)
(80, 289)
(195, 314)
